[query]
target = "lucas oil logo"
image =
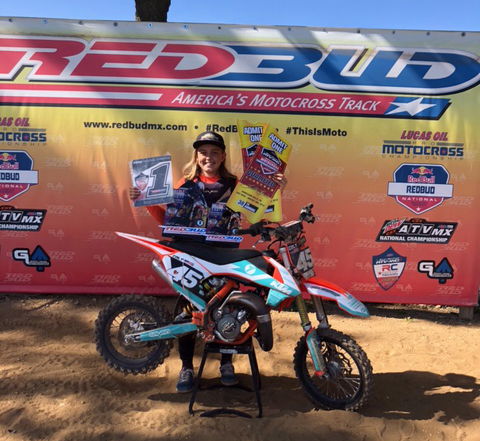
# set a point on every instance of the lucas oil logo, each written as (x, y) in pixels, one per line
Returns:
(388, 267)
(419, 187)
(16, 174)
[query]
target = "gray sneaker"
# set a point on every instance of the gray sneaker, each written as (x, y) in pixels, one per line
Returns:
(185, 381)
(228, 377)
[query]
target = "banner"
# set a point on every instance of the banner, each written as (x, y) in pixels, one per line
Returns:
(382, 126)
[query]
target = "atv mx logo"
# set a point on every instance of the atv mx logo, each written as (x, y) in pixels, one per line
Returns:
(416, 230)
(388, 267)
(419, 187)
(38, 259)
(16, 174)
(442, 272)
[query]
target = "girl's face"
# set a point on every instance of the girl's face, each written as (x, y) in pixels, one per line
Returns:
(209, 159)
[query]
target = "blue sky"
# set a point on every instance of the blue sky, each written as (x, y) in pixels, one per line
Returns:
(459, 15)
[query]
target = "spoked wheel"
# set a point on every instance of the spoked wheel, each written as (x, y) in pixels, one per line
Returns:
(127, 315)
(348, 381)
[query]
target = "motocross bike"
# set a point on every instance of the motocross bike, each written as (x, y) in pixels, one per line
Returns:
(229, 294)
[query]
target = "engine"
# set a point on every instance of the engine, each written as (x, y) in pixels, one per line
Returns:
(229, 321)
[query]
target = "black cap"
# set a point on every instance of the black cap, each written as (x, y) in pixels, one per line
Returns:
(209, 138)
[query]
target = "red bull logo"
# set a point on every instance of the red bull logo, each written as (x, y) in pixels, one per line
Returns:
(6, 161)
(5, 157)
(422, 171)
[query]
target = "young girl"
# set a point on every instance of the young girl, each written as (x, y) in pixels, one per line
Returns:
(206, 171)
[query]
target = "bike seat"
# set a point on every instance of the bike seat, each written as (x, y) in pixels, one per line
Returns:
(217, 255)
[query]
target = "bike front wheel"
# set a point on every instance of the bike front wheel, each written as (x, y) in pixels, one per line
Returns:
(347, 383)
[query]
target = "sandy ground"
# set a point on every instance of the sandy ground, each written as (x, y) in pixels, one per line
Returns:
(54, 386)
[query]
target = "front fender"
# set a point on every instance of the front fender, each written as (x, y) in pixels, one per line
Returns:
(327, 290)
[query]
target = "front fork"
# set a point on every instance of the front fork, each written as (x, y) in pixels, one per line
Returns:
(313, 341)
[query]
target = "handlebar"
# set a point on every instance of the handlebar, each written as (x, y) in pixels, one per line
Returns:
(280, 232)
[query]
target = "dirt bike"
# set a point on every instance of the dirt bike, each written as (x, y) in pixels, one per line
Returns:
(229, 294)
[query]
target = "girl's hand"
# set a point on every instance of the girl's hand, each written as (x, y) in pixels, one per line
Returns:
(281, 180)
(134, 193)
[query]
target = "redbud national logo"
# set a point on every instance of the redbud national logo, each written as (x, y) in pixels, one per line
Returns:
(420, 187)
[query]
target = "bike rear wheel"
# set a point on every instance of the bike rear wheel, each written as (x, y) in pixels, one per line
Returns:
(127, 315)
(348, 381)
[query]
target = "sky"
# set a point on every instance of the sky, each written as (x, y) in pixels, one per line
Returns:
(431, 15)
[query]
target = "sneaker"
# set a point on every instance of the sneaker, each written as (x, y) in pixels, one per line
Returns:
(185, 381)
(228, 377)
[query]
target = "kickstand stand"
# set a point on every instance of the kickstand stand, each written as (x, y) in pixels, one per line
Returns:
(246, 348)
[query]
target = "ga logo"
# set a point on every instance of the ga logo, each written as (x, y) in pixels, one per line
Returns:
(38, 259)
(443, 271)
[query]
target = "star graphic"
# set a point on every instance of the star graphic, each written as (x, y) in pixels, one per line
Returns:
(412, 108)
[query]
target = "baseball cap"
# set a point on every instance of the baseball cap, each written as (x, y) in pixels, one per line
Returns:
(209, 138)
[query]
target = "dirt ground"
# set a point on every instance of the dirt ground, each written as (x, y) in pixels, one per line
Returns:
(54, 386)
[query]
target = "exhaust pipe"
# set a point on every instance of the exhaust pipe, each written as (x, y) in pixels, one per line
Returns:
(157, 267)
(259, 309)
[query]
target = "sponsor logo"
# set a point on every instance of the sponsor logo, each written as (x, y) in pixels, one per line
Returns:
(38, 259)
(143, 257)
(24, 137)
(319, 262)
(16, 174)
(363, 287)
(60, 278)
(386, 70)
(147, 279)
(456, 246)
(365, 243)
(102, 235)
(58, 234)
(21, 219)
(58, 162)
(102, 212)
(369, 222)
(435, 150)
(250, 269)
(371, 198)
(416, 231)
(420, 188)
(60, 209)
(329, 218)
(67, 256)
(388, 268)
(329, 171)
(247, 206)
(371, 174)
(280, 287)
(58, 187)
(460, 200)
(289, 194)
(105, 279)
(17, 278)
(450, 290)
(328, 195)
(102, 259)
(442, 272)
(324, 241)
(102, 189)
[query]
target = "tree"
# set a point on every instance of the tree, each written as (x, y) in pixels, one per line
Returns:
(151, 10)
